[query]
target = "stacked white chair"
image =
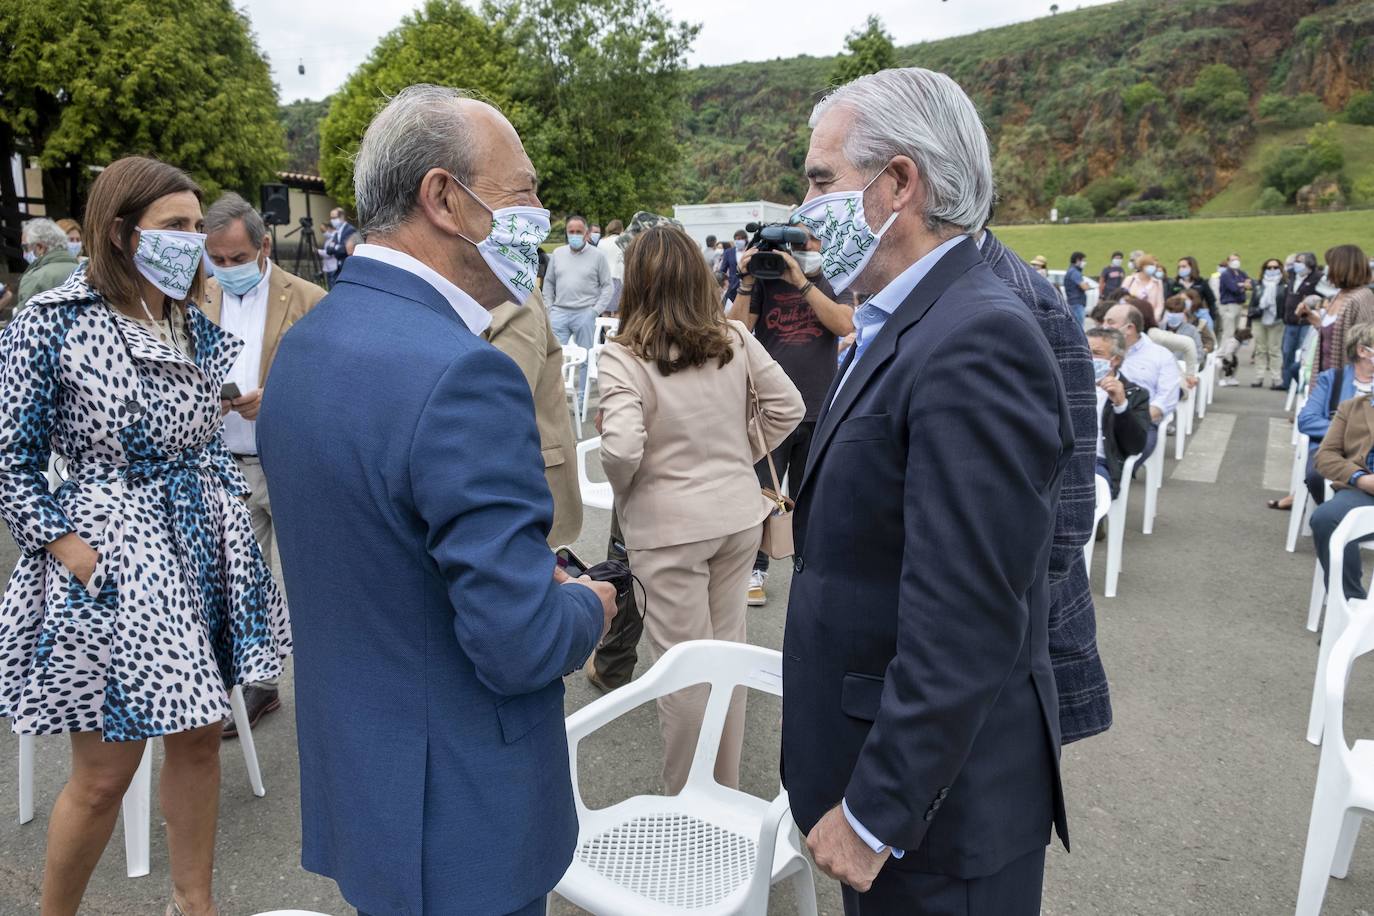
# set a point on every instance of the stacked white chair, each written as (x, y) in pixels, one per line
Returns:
(709, 850)
(1297, 485)
(1344, 794)
(1116, 528)
(1101, 507)
(595, 493)
(1357, 524)
(605, 328)
(1183, 416)
(573, 357)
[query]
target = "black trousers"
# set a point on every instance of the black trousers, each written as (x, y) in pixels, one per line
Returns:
(615, 659)
(790, 460)
(1013, 891)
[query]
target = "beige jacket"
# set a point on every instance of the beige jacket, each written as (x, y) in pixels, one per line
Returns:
(676, 449)
(288, 299)
(523, 333)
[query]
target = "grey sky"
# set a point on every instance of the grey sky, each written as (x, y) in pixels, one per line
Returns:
(333, 37)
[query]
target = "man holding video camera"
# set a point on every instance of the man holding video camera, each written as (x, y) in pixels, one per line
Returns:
(795, 314)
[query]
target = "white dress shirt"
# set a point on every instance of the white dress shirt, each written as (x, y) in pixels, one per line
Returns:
(246, 318)
(1153, 368)
(474, 316)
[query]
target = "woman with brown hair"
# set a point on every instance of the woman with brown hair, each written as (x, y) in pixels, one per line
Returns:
(679, 442)
(141, 597)
(1347, 268)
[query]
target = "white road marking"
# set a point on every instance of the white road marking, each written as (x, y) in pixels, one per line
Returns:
(1278, 455)
(1202, 461)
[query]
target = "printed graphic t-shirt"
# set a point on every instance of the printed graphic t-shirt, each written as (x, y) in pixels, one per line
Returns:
(793, 335)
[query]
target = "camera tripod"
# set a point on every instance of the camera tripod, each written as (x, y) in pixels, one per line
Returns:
(307, 252)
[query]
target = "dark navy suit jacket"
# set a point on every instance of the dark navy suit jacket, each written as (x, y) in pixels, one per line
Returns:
(916, 666)
(430, 639)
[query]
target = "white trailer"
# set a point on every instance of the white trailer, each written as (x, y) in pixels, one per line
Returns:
(723, 220)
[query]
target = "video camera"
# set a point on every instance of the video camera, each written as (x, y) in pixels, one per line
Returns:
(770, 238)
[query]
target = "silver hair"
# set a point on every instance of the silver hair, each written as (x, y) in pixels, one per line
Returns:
(927, 117)
(230, 208)
(45, 232)
(1112, 334)
(421, 128)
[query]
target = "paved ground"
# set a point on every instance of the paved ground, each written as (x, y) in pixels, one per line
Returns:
(1196, 802)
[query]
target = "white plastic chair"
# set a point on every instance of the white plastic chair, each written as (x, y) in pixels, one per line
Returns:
(137, 803)
(1358, 523)
(595, 493)
(592, 375)
(1292, 396)
(1344, 794)
(1317, 599)
(1183, 415)
(573, 357)
(1154, 474)
(708, 850)
(605, 328)
(1101, 507)
(1116, 527)
(1297, 485)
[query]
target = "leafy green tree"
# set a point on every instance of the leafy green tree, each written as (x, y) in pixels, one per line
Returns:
(1219, 93)
(87, 82)
(1073, 207)
(444, 43)
(1360, 108)
(868, 50)
(1271, 199)
(1291, 111)
(300, 122)
(1138, 97)
(603, 90)
(1292, 167)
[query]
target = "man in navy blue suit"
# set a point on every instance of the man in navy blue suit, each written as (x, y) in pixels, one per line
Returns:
(920, 739)
(403, 464)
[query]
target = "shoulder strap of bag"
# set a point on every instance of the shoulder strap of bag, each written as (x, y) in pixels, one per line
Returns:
(754, 410)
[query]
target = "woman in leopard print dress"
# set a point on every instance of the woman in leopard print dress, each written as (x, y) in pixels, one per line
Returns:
(141, 597)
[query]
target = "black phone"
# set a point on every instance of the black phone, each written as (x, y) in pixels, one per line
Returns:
(570, 562)
(230, 392)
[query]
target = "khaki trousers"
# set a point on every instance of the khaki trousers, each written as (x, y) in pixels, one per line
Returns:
(260, 510)
(1268, 350)
(697, 591)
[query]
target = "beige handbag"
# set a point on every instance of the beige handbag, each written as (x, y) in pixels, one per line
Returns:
(777, 528)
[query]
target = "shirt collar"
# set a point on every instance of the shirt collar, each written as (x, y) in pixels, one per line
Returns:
(895, 293)
(473, 315)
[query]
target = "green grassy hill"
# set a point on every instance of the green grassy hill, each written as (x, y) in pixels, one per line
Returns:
(1208, 240)
(1112, 92)
(1242, 194)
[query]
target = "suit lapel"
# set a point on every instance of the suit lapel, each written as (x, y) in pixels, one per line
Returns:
(954, 264)
(279, 292)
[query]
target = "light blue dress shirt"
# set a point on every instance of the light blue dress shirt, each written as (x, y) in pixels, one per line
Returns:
(870, 317)
(868, 321)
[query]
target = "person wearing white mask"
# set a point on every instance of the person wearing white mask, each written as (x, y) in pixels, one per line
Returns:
(337, 247)
(49, 261)
(1303, 278)
(1188, 276)
(1234, 286)
(412, 514)
(1145, 284)
(1267, 302)
(799, 319)
(140, 598)
(257, 301)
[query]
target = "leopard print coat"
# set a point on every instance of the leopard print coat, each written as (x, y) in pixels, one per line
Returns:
(182, 605)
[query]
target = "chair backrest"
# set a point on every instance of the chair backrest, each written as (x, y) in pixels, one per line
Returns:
(1104, 499)
(1357, 524)
(1127, 472)
(605, 327)
(1355, 640)
(595, 493)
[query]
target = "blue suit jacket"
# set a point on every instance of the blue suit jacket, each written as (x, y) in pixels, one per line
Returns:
(1085, 704)
(409, 497)
(916, 663)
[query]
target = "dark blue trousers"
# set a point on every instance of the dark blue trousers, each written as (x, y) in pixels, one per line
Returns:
(1013, 891)
(1324, 521)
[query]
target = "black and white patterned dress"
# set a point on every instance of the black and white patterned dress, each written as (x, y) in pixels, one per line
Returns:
(182, 605)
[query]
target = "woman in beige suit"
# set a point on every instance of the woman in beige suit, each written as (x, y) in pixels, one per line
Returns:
(679, 446)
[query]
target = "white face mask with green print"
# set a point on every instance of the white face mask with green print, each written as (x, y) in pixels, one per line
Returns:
(511, 249)
(169, 260)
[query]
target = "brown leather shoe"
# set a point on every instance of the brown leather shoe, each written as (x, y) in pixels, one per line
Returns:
(593, 678)
(260, 701)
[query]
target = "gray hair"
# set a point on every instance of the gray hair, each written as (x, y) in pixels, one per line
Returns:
(230, 208)
(927, 117)
(1118, 341)
(420, 129)
(1307, 258)
(46, 233)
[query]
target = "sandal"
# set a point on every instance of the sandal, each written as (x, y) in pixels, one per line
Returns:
(1274, 504)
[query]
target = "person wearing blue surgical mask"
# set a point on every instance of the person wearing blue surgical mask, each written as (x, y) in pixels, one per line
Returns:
(1188, 276)
(1145, 284)
(578, 288)
(256, 301)
(337, 247)
(1267, 302)
(1123, 407)
(1303, 278)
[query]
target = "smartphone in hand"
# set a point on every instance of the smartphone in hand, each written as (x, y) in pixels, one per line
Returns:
(569, 562)
(230, 392)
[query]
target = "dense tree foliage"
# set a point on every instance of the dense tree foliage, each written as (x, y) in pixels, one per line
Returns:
(86, 82)
(867, 50)
(593, 90)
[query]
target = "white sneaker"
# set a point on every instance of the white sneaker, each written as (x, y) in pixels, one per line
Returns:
(757, 597)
